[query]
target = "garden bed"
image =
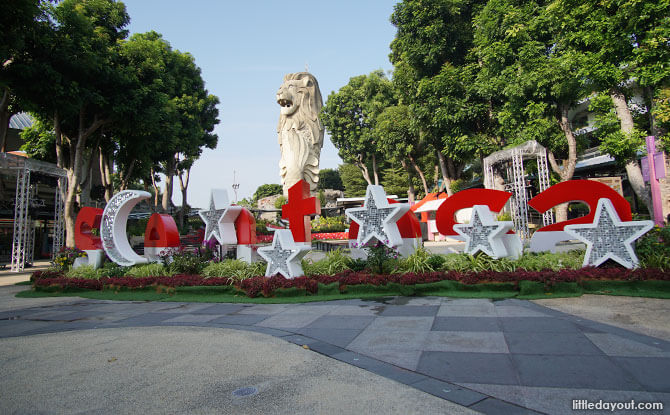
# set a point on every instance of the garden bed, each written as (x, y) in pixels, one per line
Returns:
(351, 284)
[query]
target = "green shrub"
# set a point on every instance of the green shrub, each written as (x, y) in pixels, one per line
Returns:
(653, 249)
(334, 262)
(147, 270)
(64, 259)
(111, 269)
(418, 262)
(234, 269)
(83, 271)
(183, 262)
(550, 261)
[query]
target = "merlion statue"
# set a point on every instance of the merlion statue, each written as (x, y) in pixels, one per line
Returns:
(300, 130)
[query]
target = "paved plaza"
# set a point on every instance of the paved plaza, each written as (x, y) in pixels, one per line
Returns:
(496, 357)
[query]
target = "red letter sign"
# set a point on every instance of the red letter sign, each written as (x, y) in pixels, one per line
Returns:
(444, 217)
(87, 220)
(298, 211)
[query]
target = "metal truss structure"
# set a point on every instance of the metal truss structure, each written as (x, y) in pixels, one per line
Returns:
(23, 241)
(516, 182)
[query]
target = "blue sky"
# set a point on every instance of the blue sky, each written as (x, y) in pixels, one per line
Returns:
(244, 49)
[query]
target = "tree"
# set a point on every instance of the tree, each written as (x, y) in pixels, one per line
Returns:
(266, 190)
(349, 116)
(330, 179)
(433, 73)
(400, 142)
(621, 42)
(79, 95)
(354, 184)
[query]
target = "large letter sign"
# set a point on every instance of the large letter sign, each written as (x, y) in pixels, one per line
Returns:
(220, 218)
(113, 227)
(587, 191)
(161, 233)
(88, 219)
(484, 233)
(377, 218)
(299, 209)
(284, 255)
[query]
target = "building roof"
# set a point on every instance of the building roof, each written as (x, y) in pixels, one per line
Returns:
(21, 121)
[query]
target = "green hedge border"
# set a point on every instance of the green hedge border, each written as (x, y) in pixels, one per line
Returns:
(527, 290)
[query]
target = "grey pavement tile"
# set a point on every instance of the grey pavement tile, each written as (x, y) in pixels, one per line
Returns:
(192, 318)
(341, 322)
(386, 339)
(508, 393)
(49, 316)
(312, 309)
(267, 309)
(325, 348)
(466, 324)
(651, 372)
(480, 310)
(537, 324)
(357, 359)
(469, 367)
(262, 330)
(410, 311)
(559, 400)
(449, 391)
(146, 319)
(466, 341)
(614, 345)
(405, 358)
(299, 340)
(627, 334)
(592, 372)
(398, 374)
(424, 301)
(218, 309)
(14, 314)
(517, 311)
(11, 328)
(338, 337)
(555, 343)
(497, 407)
(401, 323)
(467, 302)
(185, 307)
(354, 310)
(241, 319)
(288, 320)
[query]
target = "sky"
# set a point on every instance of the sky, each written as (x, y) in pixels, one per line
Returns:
(244, 49)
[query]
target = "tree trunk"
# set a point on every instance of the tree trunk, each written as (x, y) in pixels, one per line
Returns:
(183, 186)
(155, 186)
(420, 173)
(567, 170)
(127, 174)
(411, 192)
(633, 169)
(4, 119)
(74, 174)
(374, 168)
(364, 169)
(106, 174)
(170, 167)
(445, 175)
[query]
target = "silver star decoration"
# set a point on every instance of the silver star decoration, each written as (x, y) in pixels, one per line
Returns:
(484, 233)
(377, 218)
(218, 203)
(608, 237)
(284, 255)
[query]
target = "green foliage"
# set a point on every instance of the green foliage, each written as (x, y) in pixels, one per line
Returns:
(111, 269)
(395, 181)
(330, 179)
(352, 179)
(420, 261)
(528, 261)
(266, 190)
(64, 259)
(329, 224)
(147, 270)
(184, 262)
(83, 271)
(334, 263)
(281, 201)
(234, 269)
(653, 249)
(381, 259)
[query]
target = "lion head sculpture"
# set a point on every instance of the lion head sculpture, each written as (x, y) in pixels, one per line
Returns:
(300, 131)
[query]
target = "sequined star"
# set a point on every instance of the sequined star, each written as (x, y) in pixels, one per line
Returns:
(284, 255)
(218, 203)
(608, 237)
(484, 233)
(377, 218)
